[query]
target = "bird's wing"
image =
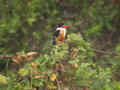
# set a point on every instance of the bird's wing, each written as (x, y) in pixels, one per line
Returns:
(57, 32)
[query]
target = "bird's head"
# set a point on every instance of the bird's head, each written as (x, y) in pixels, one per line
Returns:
(61, 25)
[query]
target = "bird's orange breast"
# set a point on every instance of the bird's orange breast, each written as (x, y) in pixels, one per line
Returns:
(60, 37)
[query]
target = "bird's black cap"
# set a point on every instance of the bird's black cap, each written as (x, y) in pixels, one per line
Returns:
(60, 24)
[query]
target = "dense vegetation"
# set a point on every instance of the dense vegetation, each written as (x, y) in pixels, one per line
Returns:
(89, 59)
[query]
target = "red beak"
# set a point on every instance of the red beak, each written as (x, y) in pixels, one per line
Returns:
(65, 26)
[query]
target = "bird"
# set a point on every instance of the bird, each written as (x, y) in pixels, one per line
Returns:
(60, 33)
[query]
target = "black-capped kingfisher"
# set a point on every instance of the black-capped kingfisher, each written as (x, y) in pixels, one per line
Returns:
(60, 33)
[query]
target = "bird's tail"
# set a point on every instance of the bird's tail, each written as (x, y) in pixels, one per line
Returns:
(54, 41)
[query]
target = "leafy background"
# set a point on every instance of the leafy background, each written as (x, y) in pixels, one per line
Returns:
(87, 60)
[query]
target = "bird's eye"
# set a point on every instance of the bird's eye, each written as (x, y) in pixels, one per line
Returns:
(60, 25)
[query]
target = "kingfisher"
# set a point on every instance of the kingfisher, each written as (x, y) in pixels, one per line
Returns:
(60, 33)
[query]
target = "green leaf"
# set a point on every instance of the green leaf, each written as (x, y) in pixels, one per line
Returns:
(118, 48)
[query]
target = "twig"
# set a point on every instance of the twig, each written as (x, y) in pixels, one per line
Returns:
(58, 84)
(108, 53)
(5, 57)
(31, 79)
(84, 87)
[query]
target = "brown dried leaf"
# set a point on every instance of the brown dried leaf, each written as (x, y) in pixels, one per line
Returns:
(116, 3)
(15, 60)
(34, 65)
(62, 67)
(74, 65)
(57, 1)
(39, 76)
(19, 58)
(30, 54)
(57, 67)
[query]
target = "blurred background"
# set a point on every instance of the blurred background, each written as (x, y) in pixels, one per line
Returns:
(29, 24)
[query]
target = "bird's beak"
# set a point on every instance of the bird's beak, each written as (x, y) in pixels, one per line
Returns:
(65, 26)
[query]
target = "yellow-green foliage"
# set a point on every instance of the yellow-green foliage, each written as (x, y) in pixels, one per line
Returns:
(3, 80)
